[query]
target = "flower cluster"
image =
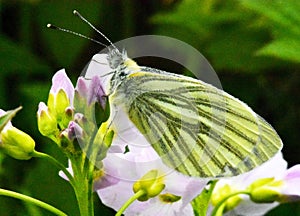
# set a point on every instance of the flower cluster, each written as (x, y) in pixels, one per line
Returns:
(68, 118)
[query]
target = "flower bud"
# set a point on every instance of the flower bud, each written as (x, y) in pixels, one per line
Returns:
(16, 143)
(264, 195)
(60, 100)
(222, 193)
(151, 183)
(47, 123)
(265, 190)
(103, 141)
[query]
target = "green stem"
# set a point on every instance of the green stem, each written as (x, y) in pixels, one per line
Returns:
(31, 200)
(56, 163)
(130, 201)
(216, 212)
(83, 186)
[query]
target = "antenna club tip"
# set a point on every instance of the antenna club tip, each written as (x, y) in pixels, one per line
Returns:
(51, 26)
(75, 12)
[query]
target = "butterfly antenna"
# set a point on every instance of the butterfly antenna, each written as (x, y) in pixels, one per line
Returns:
(93, 27)
(74, 33)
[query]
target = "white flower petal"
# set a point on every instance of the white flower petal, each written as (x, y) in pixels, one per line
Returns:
(248, 208)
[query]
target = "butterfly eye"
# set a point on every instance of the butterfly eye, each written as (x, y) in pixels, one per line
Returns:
(122, 73)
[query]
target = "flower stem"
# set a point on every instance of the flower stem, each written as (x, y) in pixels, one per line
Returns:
(56, 163)
(217, 210)
(32, 200)
(130, 201)
(83, 186)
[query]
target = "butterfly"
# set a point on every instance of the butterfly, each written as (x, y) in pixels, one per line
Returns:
(196, 128)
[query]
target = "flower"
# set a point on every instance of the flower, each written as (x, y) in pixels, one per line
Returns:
(284, 188)
(60, 100)
(15, 142)
(290, 189)
(167, 191)
(259, 190)
(92, 90)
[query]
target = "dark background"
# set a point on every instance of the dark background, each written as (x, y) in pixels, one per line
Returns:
(253, 45)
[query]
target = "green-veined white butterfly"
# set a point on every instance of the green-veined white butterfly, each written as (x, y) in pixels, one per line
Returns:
(195, 128)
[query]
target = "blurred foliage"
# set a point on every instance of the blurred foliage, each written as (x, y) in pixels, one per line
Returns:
(253, 45)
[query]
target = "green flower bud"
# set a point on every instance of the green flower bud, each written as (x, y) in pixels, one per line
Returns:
(260, 182)
(224, 192)
(103, 141)
(16, 143)
(105, 134)
(152, 183)
(62, 109)
(59, 105)
(264, 195)
(265, 190)
(47, 123)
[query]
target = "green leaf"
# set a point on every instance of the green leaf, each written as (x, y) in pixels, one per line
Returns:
(200, 203)
(228, 34)
(283, 13)
(285, 18)
(284, 48)
(7, 117)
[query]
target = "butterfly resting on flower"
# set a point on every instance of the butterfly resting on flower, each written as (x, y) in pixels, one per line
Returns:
(195, 128)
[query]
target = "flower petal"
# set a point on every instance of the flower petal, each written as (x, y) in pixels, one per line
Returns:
(82, 87)
(96, 92)
(291, 186)
(60, 80)
(248, 208)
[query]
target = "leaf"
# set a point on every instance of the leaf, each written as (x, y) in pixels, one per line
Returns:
(283, 13)
(284, 48)
(200, 203)
(225, 32)
(285, 19)
(7, 117)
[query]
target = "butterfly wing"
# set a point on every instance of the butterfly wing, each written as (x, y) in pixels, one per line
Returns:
(195, 128)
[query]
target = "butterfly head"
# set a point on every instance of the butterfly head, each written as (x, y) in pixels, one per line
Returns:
(116, 58)
(119, 61)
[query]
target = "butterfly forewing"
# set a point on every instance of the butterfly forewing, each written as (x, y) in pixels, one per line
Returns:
(196, 128)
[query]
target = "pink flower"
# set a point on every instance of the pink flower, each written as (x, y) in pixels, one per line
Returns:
(61, 81)
(266, 187)
(174, 199)
(91, 90)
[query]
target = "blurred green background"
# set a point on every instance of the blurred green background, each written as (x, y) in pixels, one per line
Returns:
(253, 45)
